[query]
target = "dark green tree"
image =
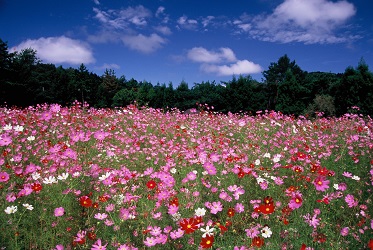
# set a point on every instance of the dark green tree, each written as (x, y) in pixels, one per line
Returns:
(276, 75)
(355, 89)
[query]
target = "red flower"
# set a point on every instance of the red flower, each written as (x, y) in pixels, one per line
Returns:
(267, 208)
(303, 247)
(230, 212)
(257, 241)
(151, 184)
(241, 174)
(207, 241)
(370, 244)
(268, 200)
(103, 198)
(95, 205)
(85, 201)
(189, 225)
(36, 187)
(174, 201)
(91, 235)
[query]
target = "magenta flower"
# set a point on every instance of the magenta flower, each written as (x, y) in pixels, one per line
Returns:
(344, 231)
(296, 201)
(100, 216)
(59, 211)
(239, 208)
(321, 183)
(59, 247)
(4, 176)
(5, 140)
(351, 201)
(98, 245)
(216, 207)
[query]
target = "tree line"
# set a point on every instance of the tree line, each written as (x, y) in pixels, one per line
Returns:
(25, 81)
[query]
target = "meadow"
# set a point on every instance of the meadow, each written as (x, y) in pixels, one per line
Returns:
(137, 178)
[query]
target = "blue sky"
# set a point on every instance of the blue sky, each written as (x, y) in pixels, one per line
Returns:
(173, 40)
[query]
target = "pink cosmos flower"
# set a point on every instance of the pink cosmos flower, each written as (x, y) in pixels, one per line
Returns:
(210, 168)
(4, 177)
(5, 140)
(98, 245)
(344, 231)
(351, 201)
(59, 211)
(150, 241)
(263, 185)
(216, 207)
(100, 216)
(239, 208)
(59, 247)
(252, 232)
(191, 176)
(321, 183)
(296, 201)
(173, 209)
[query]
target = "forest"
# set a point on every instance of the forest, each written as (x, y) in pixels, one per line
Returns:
(25, 80)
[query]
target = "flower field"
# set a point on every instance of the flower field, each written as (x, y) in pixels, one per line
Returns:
(84, 178)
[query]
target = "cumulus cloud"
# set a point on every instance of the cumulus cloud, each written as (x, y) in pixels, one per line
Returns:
(217, 62)
(199, 54)
(305, 21)
(144, 44)
(237, 68)
(59, 50)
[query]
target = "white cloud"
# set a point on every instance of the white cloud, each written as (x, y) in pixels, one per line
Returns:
(199, 54)
(59, 50)
(207, 20)
(321, 13)
(120, 19)
(212, 62)
(97, 2)
(306, 21)
(237, 68)
(184, 22)
(109, 66)
(160, 11)
(145, 44)
(163, 30)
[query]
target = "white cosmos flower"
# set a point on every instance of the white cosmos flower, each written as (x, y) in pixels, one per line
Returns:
(200, 212)
(35, 175)
(104, 176)
(207, 231)
(18, 128)
(356, 178)
(266, 232)
(31, 138)
(63, 176)
(11, 210)
(28, 206)
(267, 155)
(173, 170)
(50, 180)
(7, 127)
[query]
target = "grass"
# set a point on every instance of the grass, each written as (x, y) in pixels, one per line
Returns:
(84, 178)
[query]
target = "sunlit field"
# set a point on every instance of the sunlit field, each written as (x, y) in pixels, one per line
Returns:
(129, 178)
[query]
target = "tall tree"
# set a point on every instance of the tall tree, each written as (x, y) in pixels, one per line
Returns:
(355, 89)
(276, 75)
